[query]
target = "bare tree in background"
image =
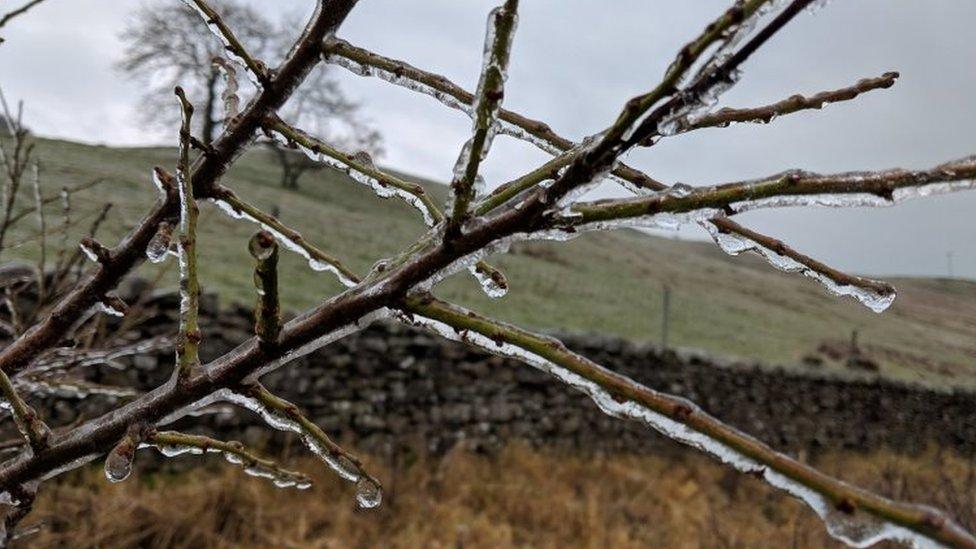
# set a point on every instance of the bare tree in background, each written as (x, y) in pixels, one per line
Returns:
(545, 203)
(166, 46)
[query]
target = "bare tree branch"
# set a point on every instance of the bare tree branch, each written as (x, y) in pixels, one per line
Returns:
(19, 11)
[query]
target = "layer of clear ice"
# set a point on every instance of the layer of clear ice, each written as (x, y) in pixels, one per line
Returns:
(488, 284)
(734, 244)
(232, 103)
(159, 247)
(399, 80)
(118, 463)
(313, 263)
(855, 200)
(280, 478)
(381, 190)
(338, 463)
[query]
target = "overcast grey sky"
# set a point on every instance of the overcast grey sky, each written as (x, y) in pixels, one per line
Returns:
(574, 63)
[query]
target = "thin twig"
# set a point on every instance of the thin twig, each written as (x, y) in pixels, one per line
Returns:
(792, 104)
(339, 459)
(188, 341)
(30, 424)
(232, 43)
(172, 442)
(267, 322)
(19, 11)
(411, 193)
(487, 102)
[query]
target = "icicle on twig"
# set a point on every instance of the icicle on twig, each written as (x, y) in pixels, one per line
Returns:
(172, 444)
(285, 416)
(487, 103)
(232, 103)
(734, 239)
(118, 462)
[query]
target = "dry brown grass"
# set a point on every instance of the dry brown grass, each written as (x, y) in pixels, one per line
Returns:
(521, 497)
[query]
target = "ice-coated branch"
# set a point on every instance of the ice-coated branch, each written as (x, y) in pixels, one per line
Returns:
(361, 168)
(172, 443)
(318, 260)
(487, 102)
(30, 424)
(794, 188)
(71, 388)
(790, 105)
(267, 317)
(635, 122)
(79, 443)
(235, 48)
(735, 239)
(366, 63)
(285, 416)
(851, 514)
(62, 359)
(188, 340)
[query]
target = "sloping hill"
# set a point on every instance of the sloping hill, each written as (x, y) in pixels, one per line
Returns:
(609, 283)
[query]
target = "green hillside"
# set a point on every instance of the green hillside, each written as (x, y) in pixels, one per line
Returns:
(609, 283)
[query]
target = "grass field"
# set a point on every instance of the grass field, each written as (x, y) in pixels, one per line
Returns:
(609, 283)
(520, 498)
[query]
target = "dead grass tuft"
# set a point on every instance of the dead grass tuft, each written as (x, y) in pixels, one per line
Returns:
(521, 497)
